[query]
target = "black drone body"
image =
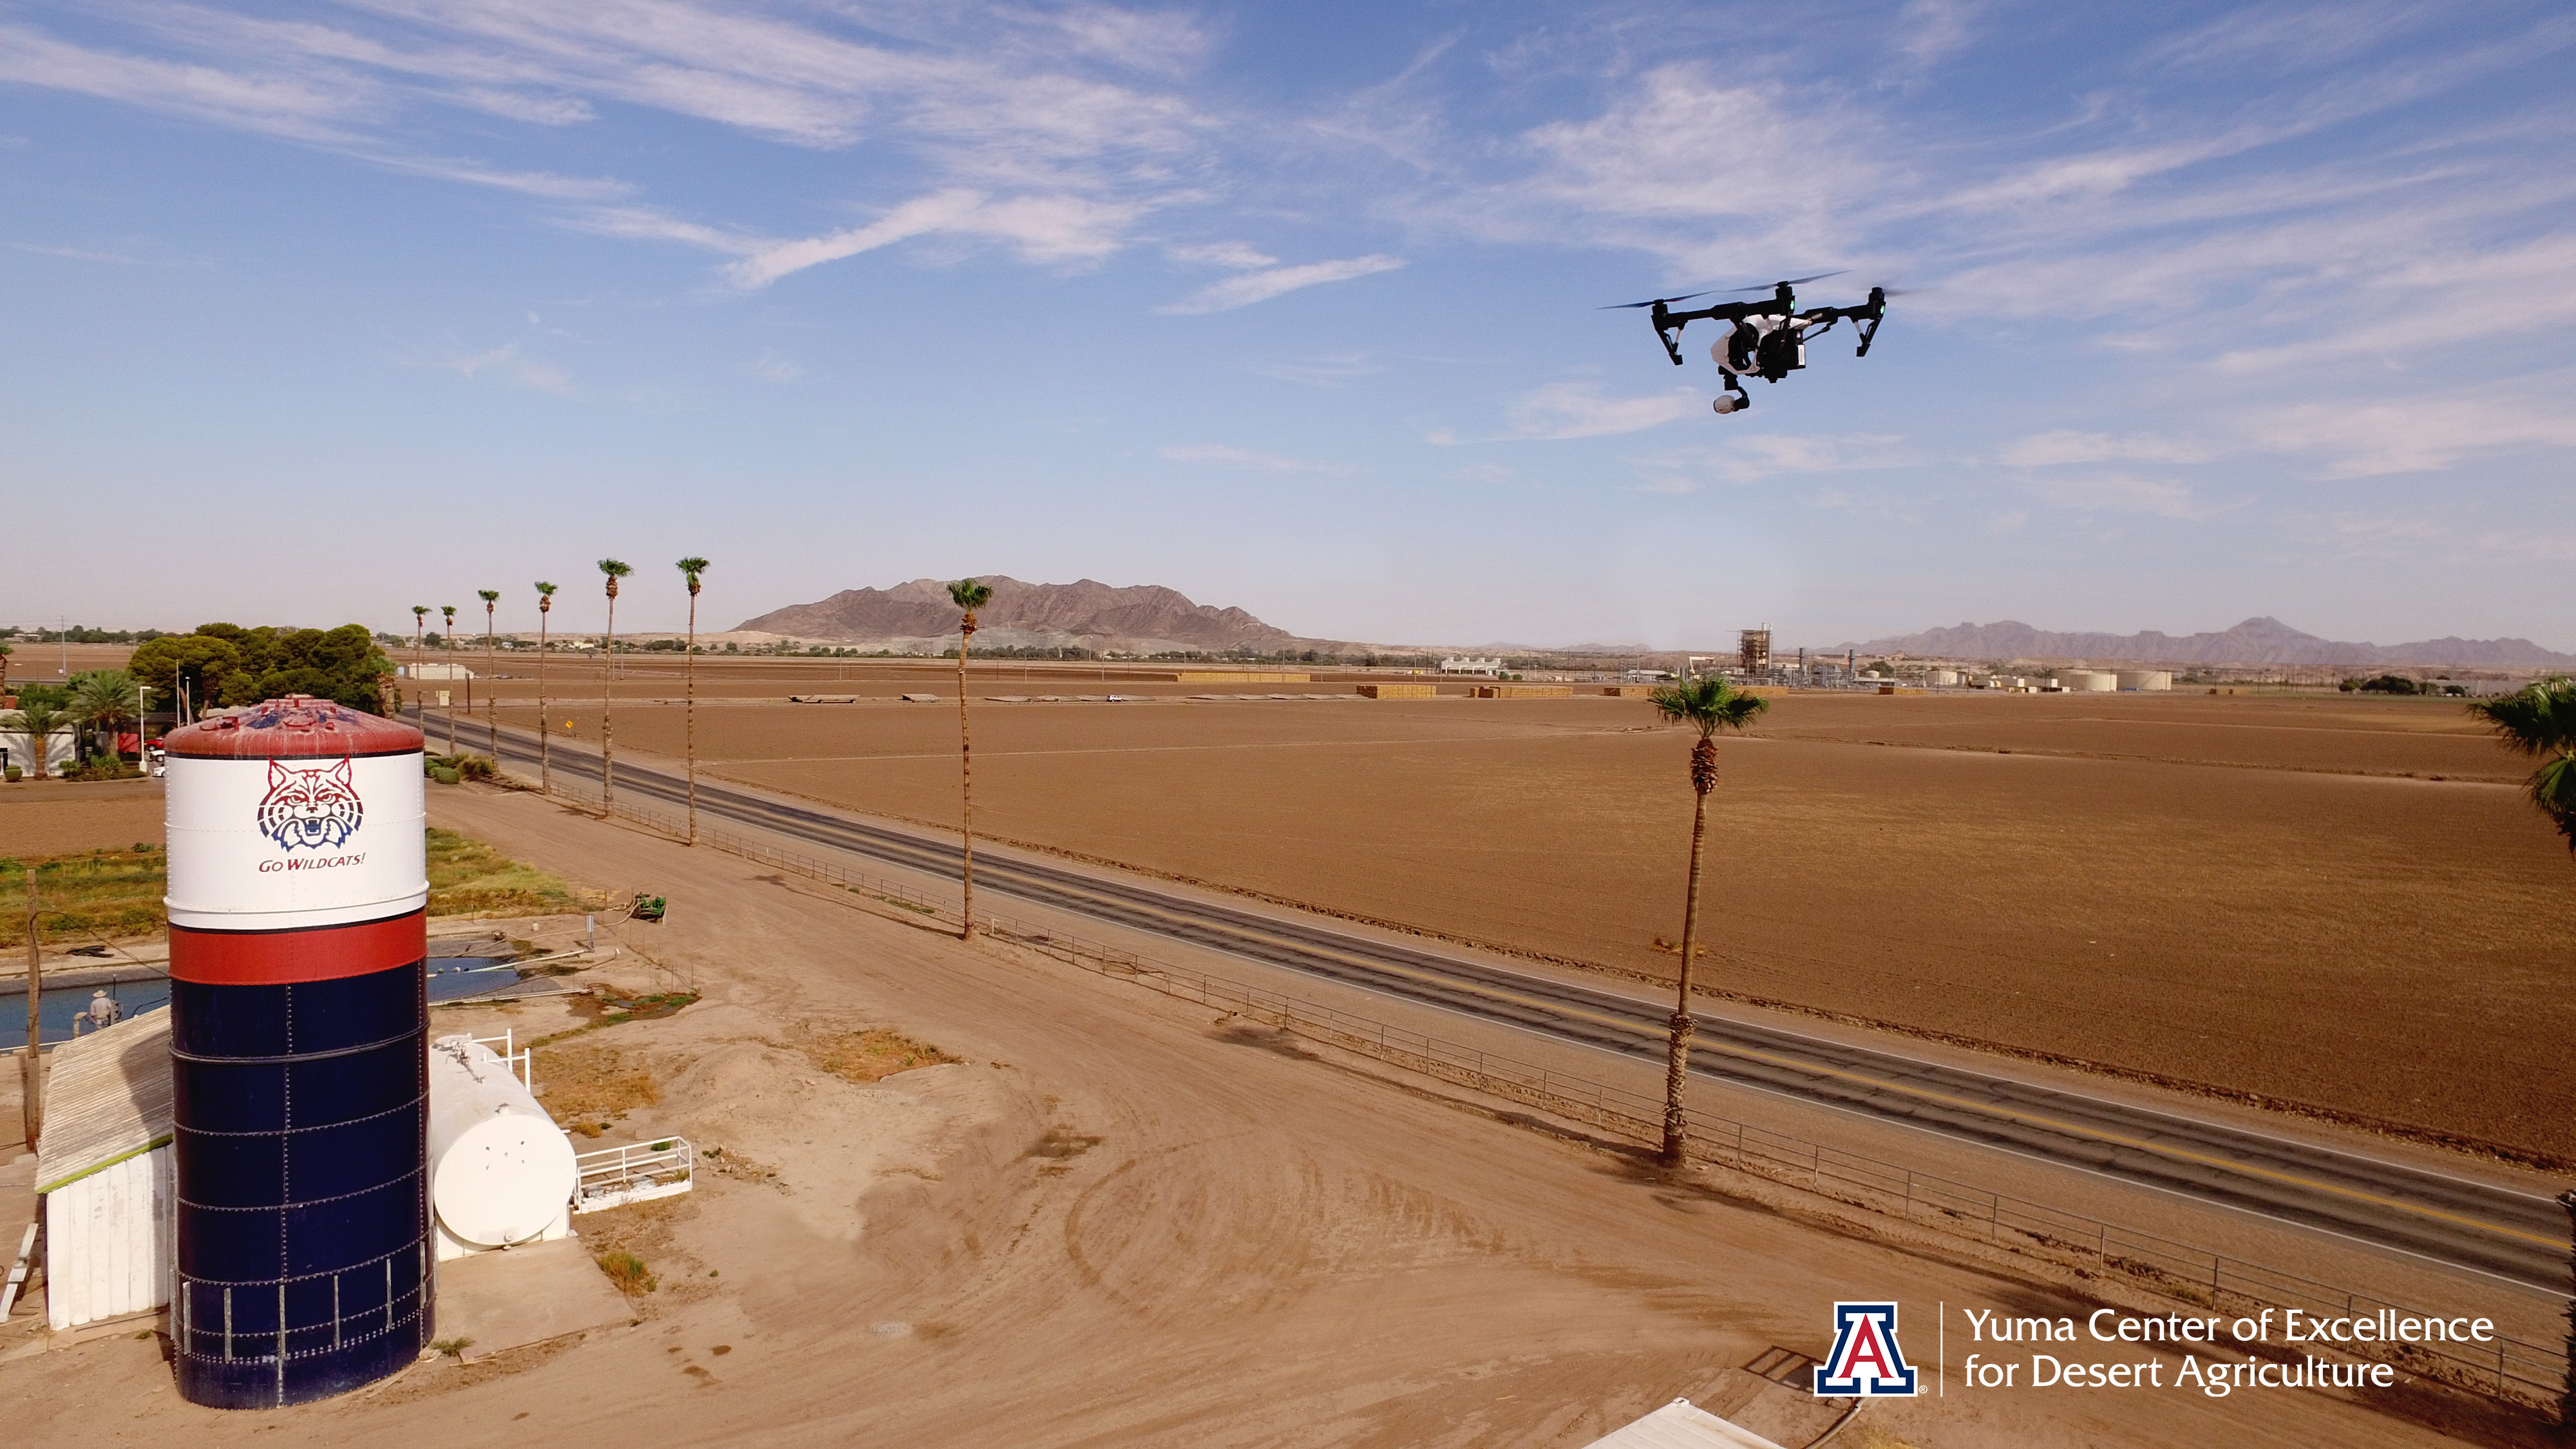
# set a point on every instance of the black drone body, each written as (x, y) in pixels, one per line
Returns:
(1766, 338)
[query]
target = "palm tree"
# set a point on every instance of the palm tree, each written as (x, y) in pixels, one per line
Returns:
(419, 621)
(545, 732)
(491, 702)
(969, 596)
(2540, 723)
(41, 722)
(690, 569)
(1707, 704)
(103, 697)
(447, 640)
(608, 645)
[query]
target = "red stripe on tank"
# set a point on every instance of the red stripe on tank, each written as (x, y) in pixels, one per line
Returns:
(314, 953)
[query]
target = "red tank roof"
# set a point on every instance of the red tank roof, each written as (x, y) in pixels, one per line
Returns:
(298, 727)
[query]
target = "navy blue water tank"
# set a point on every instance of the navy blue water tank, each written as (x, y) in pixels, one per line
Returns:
(299, 1037)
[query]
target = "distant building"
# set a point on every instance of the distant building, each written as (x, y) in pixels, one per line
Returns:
(1469, 664)
(1753, 649)
(434, 671)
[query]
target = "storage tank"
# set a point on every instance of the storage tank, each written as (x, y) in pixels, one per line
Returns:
(2087, 681)
(501, 1173)
(2147, 679)
(298, 882)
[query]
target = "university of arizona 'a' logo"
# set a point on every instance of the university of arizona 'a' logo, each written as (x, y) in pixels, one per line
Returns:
(1865, 1360)
(318, 808)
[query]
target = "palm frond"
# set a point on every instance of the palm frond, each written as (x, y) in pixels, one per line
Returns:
(2538, 720)
(970, 594)
(1708, 704)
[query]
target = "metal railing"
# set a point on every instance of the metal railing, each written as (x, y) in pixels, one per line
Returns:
(2514, 1370)
(639, 1171)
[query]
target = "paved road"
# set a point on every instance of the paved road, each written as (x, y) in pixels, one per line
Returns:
(2517, 1236)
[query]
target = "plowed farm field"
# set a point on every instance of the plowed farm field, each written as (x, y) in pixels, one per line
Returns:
(2320, 901)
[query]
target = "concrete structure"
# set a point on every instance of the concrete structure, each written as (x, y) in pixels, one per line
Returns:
(298, 1036)
(1681, 1425)
(1524, 691)
(17, 748)
(103, 1174)
(436, 671)
(2087, 681)
(1469, 664)
(2153, 680)
(1398, 691)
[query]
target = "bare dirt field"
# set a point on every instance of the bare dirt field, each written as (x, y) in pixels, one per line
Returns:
(1115, 1221)
(56, 817)
(2327, 901)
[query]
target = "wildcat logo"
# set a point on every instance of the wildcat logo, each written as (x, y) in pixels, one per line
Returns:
(1865, 1362)
(319, 808)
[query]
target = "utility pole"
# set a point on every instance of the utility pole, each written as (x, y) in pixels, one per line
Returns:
(31, 1076)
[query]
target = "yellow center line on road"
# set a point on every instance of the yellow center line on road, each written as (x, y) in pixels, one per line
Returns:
(1791, 1063)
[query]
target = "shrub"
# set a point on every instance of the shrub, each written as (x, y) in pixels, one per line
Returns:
(13, 773)
(628, 1272)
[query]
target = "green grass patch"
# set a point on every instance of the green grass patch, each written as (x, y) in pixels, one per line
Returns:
(117, 893)
(469, 878)
(92, 894)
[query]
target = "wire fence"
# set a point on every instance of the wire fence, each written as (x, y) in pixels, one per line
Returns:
(2513, 1370)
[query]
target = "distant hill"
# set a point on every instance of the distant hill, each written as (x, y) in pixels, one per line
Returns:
(1142, 619)
(2256, 641)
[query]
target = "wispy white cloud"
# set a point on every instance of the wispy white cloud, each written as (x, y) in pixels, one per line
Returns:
(1223, 455)
(1331, 370)
(2420, 434)
(1581, 410)
(2047, 449)
(773, 366)
(507, 363)
(1271, 282)
(1751, 457)
(2124, 493)
(1240, 256)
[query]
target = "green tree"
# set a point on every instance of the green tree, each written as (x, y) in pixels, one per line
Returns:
(2540, 723)
(102, 699)
(1707, 704)
(969, 596)
(608, 685)
(189, 668)
(41, 721)
(545, 732)
(692, 569)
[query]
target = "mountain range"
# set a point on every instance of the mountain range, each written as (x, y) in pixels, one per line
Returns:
(2255, 641)
(916, 616)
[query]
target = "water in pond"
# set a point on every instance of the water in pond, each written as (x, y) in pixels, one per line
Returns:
(450, 977)
(59, 1004)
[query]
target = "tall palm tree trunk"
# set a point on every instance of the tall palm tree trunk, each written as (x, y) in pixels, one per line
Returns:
(692, 690)
(966, 780)
(491, 701)
(607, 694)
(545, 731)
(1677, 1058)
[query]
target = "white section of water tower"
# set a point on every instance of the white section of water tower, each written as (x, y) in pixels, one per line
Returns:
(228, 873)
(501, 1173)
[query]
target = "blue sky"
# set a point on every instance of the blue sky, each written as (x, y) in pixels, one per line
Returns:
(315, 311)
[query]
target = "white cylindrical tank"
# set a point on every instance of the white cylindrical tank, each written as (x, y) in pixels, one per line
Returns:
(2148, 679)
(2087, 681)
(1943, 678)
(501, 1173)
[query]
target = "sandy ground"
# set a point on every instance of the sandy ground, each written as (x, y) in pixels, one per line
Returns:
(57, 817)
(1118, 1222)
(2333, 902)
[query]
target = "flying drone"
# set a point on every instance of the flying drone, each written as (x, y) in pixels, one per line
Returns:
(1769, 340)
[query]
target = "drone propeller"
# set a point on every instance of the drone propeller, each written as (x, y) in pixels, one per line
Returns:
(1791, 282)
(1620, 306)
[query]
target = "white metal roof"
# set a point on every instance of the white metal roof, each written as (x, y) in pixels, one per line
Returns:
(107, 1098)
(1681, 1425)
